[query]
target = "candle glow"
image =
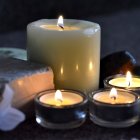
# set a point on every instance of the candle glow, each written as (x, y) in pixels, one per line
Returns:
(124, 81)
(60, 22)
(58, 97)
(128, 78)
(114, 97)
(113, 94)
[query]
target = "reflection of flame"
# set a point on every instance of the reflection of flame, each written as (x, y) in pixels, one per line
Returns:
(61, 70)
(90, 65)
(77, 67)
(20, 83)
(58, 97)
(60, 22)
(113, 93)
(128, 78)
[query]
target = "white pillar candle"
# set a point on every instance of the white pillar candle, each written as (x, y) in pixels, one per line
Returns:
(73, 51)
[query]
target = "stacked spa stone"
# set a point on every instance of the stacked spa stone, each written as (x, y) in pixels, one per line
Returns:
(26, 79)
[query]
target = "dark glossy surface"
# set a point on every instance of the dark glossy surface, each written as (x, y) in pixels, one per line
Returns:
(136, 70)
(30, 130)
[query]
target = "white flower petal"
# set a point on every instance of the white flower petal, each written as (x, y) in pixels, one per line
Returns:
(7, 99)
(11, 118)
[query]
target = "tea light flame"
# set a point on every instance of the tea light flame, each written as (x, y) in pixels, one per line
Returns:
(113, 94)
(60, 22)
(58, 97)
(128, 78)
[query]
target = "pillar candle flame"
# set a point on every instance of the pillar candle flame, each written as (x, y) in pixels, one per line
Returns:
(60, 22)
(128, 78)
(113, 94)
(58, 97)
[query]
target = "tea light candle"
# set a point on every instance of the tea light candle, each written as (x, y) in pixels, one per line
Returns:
(115, 108)
(71, 48)
(61, 99)
(115, 98)
(123, 82)
(61, 109)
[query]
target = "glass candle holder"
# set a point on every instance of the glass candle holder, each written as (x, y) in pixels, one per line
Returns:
(114, 115)
(66, 114)
(119, 81)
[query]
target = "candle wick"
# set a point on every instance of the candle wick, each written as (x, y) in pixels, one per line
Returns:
(59, 100)
(129, 84)
(61, 26)
(113, 97)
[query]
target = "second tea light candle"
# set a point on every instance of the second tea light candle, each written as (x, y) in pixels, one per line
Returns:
(115, 108)
(128, 81)
(72, 49)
